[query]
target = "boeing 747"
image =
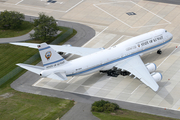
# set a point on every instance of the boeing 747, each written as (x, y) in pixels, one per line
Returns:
(124, 59)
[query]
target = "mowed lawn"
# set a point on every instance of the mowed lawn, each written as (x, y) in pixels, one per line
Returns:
(11, 55)
(24, 29)
(128, 115)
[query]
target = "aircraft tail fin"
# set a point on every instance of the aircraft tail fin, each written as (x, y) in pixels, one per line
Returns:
(50, 58)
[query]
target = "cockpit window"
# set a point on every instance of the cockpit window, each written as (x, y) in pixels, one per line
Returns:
(165, 30)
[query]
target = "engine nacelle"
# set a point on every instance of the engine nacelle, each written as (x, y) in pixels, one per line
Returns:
(151, 67)
(157, 76)
(64, 53)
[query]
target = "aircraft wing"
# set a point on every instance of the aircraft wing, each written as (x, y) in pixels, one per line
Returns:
(136, 67)
(64, 48)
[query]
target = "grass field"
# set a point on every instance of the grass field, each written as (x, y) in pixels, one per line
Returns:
(25, 106)
(128, 115)
(25, 28)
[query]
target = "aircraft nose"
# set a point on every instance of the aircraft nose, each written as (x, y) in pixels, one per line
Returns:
(170, 35)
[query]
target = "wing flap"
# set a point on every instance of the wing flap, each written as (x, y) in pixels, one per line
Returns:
(136, 67)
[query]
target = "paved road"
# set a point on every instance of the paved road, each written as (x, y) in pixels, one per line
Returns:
(17, 39)
(84, 33)
(167, 1)
(80, 111)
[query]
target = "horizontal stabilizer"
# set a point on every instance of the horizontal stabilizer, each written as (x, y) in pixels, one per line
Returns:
(32, 68)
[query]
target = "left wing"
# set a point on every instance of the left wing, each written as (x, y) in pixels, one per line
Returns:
(136, 67)
(63, 48)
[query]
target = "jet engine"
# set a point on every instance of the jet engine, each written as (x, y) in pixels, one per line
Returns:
(151, 67)
(157, 76)
(64, 53)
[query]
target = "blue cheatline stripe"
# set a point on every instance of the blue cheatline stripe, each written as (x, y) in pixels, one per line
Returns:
(118, 59)
(53, 62)
(44, 48)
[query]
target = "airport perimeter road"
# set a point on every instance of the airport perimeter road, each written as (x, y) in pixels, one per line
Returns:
(167, 1)
(84, 33)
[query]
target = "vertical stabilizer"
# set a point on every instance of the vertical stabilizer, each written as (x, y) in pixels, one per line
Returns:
(49, 57)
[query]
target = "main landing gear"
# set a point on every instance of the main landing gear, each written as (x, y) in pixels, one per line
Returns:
(114, 72)
(159, 52)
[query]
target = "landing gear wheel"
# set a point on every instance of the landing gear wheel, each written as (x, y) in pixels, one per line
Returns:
(159, 52)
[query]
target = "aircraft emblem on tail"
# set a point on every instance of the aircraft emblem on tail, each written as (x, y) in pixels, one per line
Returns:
(48, 55)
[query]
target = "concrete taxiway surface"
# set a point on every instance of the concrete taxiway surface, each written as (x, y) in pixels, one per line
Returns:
(114, 21)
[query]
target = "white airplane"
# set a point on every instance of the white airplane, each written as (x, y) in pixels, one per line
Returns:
(123, 59)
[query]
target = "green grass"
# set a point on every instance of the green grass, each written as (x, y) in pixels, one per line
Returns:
(11, 55)
(25, 106)
(128, 115)
(24, 29)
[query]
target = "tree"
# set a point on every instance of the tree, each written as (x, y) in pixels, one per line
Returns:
(104, 106)
(11, 19)
(45, 27)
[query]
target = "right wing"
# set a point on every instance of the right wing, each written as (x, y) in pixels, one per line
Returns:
(136, 67)
(64, 48)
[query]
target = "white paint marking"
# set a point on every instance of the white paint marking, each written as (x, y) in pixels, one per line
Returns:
(70, 79)
(167, 57)
(37, 82)
(19, 2)
(126, 23)
(95, 37)
(136, 88)
(112, 16)
(151, 12)
(44, 8)
(74, 6)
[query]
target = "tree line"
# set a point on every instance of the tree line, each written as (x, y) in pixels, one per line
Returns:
(45, 27)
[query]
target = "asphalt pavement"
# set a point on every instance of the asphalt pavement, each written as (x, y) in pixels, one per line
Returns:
(167, 1)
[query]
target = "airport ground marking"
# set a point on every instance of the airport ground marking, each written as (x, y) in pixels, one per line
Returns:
(74, 6)
(70, 79)
(96, 5)
(37, 82)
(135, 89)
(19, 2)
(95, 36)
(168, 56)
